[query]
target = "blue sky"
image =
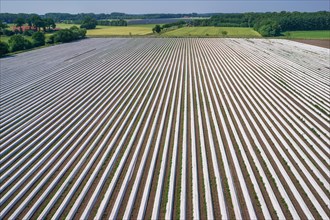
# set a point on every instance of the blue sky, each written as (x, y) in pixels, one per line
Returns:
(157, 6)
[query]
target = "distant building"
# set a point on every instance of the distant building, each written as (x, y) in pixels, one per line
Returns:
(27, 28)
(24, 28)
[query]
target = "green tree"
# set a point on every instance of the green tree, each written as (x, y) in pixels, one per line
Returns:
(42, 24)
(82, 33)
(19, 23)
(28, 32)
(157, 29)
(35, 21)
(76, 32)
(50, 23)
(4, 48)
(89, 23)
(50, 39)
(119, 22)
(67, 35)
(18, 42)
(3, 25)
(64, 36)
(248, 18)
(27, 44)
(8, 32)
(38, 39)
(38, 22)
(29, 23)
(268, 28)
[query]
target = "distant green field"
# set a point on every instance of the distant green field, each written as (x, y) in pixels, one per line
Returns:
(309, 34)
(212, 31)
(119, 30)
(139, 30)
(61, 25)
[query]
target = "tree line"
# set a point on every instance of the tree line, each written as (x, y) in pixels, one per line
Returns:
(34, 22)
(267, 24)
(19, 41)
(271, 23)
(78, 18)
(120, 22)
(158, 28)
(90, 22)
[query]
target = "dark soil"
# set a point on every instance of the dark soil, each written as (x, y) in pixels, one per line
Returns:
(319, 43)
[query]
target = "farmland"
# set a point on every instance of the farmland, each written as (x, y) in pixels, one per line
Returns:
(146, 29)
(149, 128)
(109, 31)
(309, 34)
(212, 31)
(115, 31)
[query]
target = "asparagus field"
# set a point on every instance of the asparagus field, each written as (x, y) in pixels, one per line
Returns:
(145, 128)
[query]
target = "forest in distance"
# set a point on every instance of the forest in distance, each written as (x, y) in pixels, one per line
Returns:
(287, 20)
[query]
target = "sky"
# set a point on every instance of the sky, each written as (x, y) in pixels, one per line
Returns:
(158, 6)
